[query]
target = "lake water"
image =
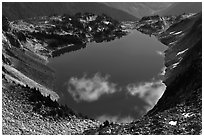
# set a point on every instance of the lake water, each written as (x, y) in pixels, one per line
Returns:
(118, 80)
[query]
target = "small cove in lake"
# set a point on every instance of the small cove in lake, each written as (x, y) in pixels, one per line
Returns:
(117, 80)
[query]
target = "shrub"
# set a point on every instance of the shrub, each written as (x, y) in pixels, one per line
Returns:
(106, 123)
(5, 23)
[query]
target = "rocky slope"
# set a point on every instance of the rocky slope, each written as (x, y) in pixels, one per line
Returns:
(26, 112)
(179, 110)
(29, 103)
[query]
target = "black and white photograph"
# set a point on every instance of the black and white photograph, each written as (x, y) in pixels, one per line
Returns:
(101, 67)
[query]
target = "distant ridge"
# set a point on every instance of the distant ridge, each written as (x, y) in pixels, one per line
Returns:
(22, 10)
(139, 9)
(182, 7)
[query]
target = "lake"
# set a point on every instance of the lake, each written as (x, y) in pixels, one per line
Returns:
(118, 80)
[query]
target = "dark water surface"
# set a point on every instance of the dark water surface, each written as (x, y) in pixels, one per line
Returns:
(94, 80)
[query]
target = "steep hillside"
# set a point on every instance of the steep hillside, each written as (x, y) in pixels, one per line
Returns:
(139, 9)
(26, 112)
(183, 61)
(179, 110)
(29, 104)
(22, 10)
(182, 7)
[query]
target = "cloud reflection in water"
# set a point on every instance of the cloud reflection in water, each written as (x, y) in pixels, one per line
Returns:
(90, 89)
(150, 92)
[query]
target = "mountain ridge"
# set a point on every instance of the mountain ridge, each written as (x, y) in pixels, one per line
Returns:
(179, 8)
(22, 10)
(139, 9)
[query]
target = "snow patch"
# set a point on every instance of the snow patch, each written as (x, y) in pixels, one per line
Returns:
(186, 115)
(35, 40)
(64, 33)
(179, 53)
(171, 32)
(172, 43)
(173, 123)
(176, 64)
(90, 29)
(82, 20)
(106, 22)
(92, 18)
(177, 33)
